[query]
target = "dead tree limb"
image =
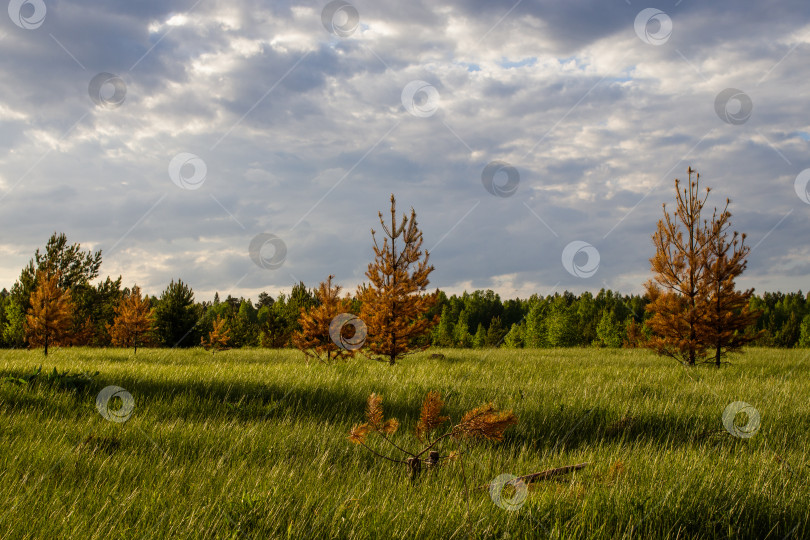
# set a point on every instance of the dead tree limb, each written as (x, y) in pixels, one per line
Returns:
(544, 475)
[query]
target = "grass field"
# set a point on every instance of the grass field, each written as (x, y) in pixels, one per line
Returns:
(252, 444)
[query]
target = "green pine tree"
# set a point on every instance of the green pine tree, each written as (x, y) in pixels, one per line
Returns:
(804, 332)
(514, 338)
(495, 333)
(480, 337)
(461, 332)
(14, 330)
(535, 334)
(609, 331)
(176, 316)
(562, 325)
(443, 333)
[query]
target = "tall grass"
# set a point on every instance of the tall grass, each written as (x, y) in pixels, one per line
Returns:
(252, 444)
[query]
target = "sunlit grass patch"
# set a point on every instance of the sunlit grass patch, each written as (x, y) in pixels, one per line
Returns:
(253, 443)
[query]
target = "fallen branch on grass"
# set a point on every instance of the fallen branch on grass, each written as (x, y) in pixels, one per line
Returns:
(544, 475)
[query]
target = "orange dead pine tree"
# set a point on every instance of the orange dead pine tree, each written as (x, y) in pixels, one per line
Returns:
(394, 307)
(314, 338)
(133, 321)
(679, 289)
(727, 312)
(218, 337)
(81, 334)
(51, 313)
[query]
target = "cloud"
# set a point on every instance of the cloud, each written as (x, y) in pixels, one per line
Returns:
(304, 135)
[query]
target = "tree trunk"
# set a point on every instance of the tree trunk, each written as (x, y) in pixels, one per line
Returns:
(46, 344)
(718, 342)
(414, 467)
(692, 334)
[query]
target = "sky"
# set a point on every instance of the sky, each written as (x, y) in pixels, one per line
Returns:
(243, 146)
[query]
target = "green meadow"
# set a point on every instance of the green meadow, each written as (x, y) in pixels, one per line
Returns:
(253, 444)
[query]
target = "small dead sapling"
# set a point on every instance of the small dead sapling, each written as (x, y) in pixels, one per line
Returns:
(482, 423)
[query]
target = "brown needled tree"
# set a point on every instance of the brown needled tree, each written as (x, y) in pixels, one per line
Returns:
(696, 307)
(218, 337)
(133, 321)
(393, 307)
(81, 334)
(678, 291)
(314, 338)
(51, 312)
(486, 422)
(727, 310)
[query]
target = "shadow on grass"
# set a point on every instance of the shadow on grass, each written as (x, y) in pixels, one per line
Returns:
(245, 401)
(568, 429)
(555, 430)
(547, 428)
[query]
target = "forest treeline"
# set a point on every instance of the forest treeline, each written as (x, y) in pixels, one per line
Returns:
(691, 309)
(476, 320)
